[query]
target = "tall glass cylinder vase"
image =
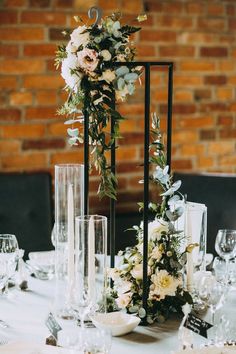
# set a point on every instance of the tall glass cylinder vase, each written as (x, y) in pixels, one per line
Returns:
(69, 185)
(91, 283)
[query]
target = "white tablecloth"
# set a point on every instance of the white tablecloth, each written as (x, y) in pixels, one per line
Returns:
(26, 311)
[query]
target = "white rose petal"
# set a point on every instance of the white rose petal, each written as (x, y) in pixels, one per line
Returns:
(106, 54)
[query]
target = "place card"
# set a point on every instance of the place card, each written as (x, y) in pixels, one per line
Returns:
(197, 325)
(52, 325)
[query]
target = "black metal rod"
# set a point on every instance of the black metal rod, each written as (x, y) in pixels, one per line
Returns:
(86, 163)
(146, 186)
(143, 63)
(112, 201)
(169, 114)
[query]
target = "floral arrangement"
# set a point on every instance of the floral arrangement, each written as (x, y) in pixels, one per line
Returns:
(94, 83)
(165, 260)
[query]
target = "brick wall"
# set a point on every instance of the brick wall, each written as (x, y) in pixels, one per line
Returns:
(199, 36)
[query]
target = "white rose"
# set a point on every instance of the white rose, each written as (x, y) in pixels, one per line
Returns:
(72, 80)
(79, 38)
(106, 54)
(108, 76)
(124, 287)
(123, 300)
(113, 273)
(155, 229)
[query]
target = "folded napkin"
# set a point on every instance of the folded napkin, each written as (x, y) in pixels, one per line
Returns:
(31, 348)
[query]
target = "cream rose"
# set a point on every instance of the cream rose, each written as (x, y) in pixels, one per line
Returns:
(106, 55)
(137, 271)
(68, 64)
(163, 284)
(108, 76)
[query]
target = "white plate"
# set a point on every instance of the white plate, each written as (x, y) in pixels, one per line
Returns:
(118, 323)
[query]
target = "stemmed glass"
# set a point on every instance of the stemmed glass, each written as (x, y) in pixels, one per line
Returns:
(225, 245)
(212, 293)
(8, 258)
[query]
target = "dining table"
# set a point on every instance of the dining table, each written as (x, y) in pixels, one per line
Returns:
(25, 313)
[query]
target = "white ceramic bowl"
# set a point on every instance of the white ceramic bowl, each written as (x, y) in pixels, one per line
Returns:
(118, 323)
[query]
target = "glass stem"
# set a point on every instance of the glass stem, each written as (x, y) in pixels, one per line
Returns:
(227, 270)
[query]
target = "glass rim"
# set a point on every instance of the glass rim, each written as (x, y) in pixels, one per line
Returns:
(63, 165)
(7, 235)
(87, 217)
(226, 230)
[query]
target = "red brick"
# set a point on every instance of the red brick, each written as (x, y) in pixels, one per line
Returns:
(55, 34)
(153, 5)
(51, 66)
(216, 9)
(227, 65)
(215, 80)
(230, 9)
(195, 37)
(9, 50)
(39, 3)
(181, 136)
(214, 52)
(20, 66)
(214, 107)
(145, 50)
(9, 146)
(8, 82)
(228, 133)
(23, 131)
(46, 18)
(205, 162)
(212, 24)
(16, 161)
(183, 95)
(43, 82)
(43, 144)
(15, 3)
(202, 94)
(38, 50)
(21, 98)
(46, 97)
(187, 80)
(173, 22)
(40, 113)
(180, 108)
(22, 34)
(131, 138)
(10, 114)
(181, 164)
(174, 7)
(194, 65)
(57, 129)
(132, 6)
(157, 36)
(225, 120)
(195, 7)
(223, 93)
(196, 122)
(8, 17)
(232, 24)
(207, 134)
(176, 51)
(67, 157)
(64, 3)
(218, 148)
(192, 150)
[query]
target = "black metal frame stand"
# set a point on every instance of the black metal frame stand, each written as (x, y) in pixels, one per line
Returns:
(147, 66)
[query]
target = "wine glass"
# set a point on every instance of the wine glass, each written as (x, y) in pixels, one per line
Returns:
(212, 293)
(8, 258)
(225, 246)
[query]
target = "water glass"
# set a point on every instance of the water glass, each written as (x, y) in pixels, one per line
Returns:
(8, 259)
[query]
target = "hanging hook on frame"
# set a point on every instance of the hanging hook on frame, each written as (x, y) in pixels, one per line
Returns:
(95, 11)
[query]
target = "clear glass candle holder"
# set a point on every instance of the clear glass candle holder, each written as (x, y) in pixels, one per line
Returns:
(91, 250)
